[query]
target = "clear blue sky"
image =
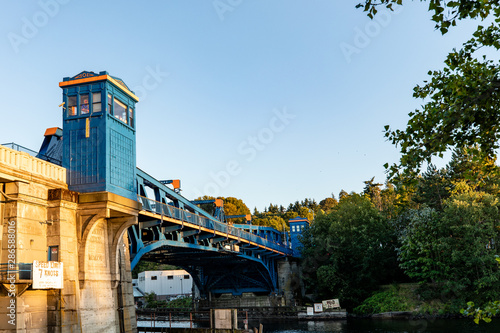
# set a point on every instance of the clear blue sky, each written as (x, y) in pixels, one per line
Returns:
(267, 101)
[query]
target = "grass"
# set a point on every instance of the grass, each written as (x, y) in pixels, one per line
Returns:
(408, 298)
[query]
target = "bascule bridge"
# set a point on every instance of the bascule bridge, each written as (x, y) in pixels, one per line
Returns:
(82, 209)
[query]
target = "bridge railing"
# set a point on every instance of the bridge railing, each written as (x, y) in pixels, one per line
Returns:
(167, 210)
(15, 146)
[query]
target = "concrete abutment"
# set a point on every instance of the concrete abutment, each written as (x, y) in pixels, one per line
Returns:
(42, 220)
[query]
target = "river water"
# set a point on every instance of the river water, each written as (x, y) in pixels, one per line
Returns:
(383, 326)
(357, 326)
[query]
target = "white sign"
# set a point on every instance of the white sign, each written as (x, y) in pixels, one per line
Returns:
(47, 275)
(318, 307)
(310, 311)
(331, 304)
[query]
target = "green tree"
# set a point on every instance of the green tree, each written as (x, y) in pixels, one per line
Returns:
(461, 111)
(234, 206)
(461, 100)
(433, 188)
(343, 194)
(422, 254)
(454, 249)
(467, 165)
(328, 204)
(444, 13)
(373, 191)
(273, 221)
(386, 200)
(150, 299)
(150, 266)
(393, 201)
(476, 168)
(208, 207)
(349, 252)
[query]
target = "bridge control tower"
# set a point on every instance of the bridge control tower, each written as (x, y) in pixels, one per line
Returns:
(99, 145)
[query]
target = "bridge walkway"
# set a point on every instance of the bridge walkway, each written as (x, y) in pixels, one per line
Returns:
(221, 258)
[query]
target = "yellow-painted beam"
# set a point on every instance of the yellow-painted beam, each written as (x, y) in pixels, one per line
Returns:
(97, 79)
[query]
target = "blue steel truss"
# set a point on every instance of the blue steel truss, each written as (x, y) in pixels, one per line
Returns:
(220, 257)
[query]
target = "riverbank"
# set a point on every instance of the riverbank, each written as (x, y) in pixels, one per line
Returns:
(408, 301)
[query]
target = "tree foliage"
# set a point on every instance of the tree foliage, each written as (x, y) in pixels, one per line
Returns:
(454, 249)
(433, 188)
(477, 169)
(348, 252)
(460, 101)
(232, 206)
(277, 216)
(444, 13)
(461, 111)
(328, 204)
(150, 266)
(455, 246)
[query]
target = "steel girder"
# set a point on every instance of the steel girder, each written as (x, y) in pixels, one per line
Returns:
(221, 258)
(214, 267)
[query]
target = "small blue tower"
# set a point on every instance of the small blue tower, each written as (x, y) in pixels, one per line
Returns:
(297, 226)
(99, 134)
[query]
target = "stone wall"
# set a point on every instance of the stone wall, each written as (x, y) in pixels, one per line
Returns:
(37, 211)
(290, 281)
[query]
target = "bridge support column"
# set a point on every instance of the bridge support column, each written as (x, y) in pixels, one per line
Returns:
(290, 283)
(43, 222)
(107, 302)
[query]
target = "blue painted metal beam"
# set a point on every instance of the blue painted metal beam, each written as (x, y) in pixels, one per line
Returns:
(148, 224)
(205, 236)
(190, 233)
(201, 202)
(229, 269)
(157, 245)
(218, 239)
(172, 228)
(173, 195)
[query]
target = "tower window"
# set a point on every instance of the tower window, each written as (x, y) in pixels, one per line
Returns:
(96, 102)
(120, 110)
(131, 117)
(72, 105)
(84, 103)
(109, 104)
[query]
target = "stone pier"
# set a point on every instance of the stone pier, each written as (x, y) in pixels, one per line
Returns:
(42, 220)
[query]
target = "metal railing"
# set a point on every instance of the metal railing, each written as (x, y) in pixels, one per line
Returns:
(160, 208)
(163, 320)
(17, 147)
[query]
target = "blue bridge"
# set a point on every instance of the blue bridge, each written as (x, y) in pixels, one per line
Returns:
(222, 258)
(98, 151)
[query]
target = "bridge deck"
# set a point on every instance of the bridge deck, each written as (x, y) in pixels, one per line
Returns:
(158, 213)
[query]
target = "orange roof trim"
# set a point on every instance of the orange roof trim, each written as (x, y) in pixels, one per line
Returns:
(50, 131)
(99, 78)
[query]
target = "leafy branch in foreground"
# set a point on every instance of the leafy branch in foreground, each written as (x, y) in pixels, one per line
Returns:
(491, 309)
(444, 12)
(461, 108)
